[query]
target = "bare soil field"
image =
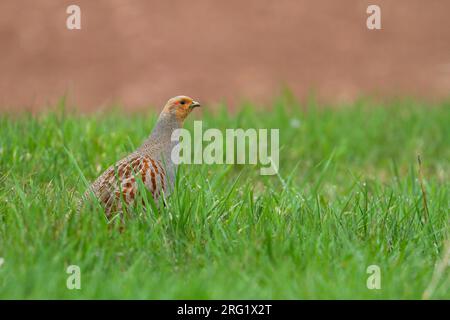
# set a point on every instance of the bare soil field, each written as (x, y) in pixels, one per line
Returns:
(139, 53)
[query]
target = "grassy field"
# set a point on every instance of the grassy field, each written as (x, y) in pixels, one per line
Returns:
(348, 195)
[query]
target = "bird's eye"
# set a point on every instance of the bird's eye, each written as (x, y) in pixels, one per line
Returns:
(183, 102)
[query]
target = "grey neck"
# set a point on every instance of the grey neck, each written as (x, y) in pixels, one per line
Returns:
(160, 138)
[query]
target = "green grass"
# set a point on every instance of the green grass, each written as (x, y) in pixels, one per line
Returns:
(348, 196)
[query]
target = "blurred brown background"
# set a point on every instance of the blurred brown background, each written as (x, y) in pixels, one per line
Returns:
(141, 52)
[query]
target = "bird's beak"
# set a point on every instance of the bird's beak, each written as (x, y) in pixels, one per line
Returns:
(195, 104)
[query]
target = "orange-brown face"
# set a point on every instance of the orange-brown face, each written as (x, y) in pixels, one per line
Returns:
(180, 106)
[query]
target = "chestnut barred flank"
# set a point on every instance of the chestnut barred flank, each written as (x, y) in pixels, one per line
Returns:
(120, 183)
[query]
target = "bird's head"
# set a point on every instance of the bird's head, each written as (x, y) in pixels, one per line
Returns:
(180, 107)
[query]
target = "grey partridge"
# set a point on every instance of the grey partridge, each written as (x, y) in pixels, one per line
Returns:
(151, 163)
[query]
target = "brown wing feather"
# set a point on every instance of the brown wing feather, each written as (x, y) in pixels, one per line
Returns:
(118, 185)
